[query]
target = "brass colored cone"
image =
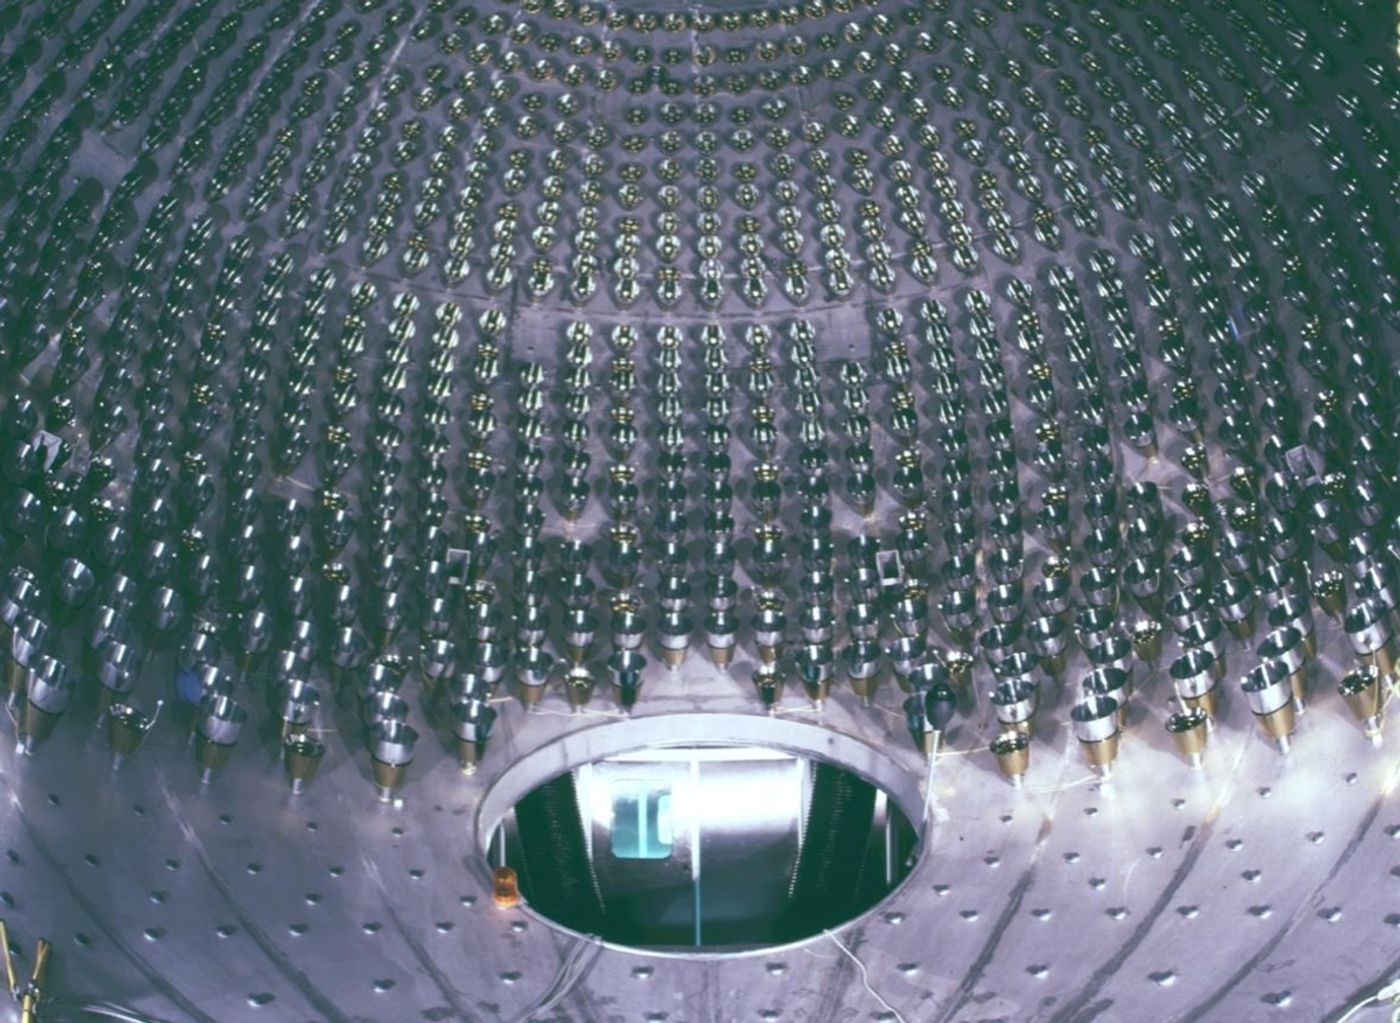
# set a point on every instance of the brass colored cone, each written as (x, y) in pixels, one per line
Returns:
(1206, 703)
(1151, 603)
(1332, 600)
(959, 670)
(1102, 753)
(1241, 628)
(124, 737)
(578, 693)
(674, 656)
(1147, 647)
(770, 690)
(342, 679)
(1013, 753)
(105, 698)
(817, 692)
(865, 687)
(467, 755)
(1188, 732)
(388, 778)
(530, 695)
(769, 654)
(1298, 682)
(302, 756)
(722, 656)
(1310, 643)
(931, 743)
(38, 724)
(1362, 692)
(1026, 727)
(14, 676)
(210, 756)
(1361, 689)
(1278, 725)
(1387, 658)
(575, 654)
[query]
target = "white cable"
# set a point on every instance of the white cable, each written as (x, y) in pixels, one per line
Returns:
(109, 1010)
(928, 786)
(1357, 1008)
(864, 977)
(570, 973)
(1389, 993)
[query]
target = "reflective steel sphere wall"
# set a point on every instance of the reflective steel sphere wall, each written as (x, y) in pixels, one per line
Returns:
(393, 392)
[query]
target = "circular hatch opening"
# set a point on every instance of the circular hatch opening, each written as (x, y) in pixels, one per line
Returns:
(685, 835)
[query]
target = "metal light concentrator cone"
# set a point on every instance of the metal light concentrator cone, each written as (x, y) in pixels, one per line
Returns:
(959, 664)
(721, 636)
(27, 639)
(49, 689)
(1014, 703)
(578, 686)
(814, 666)
(675, 639)
(768, 681)
(127, 729)
(580, 626)
(1013, 753)
(349, 651)
(1362, 691)
(436, 661)
(1097, 725)
(862, 661)
(1329, 590)
(299, 704)
(1195, 678)
(117, 668)
(1286, 645)
(1188, 730)
(625, 668)
(220, 723)
(769, 624)
(1368, 627)
(1146, 638)
(1270, 696)
(533, 667)
(472, 721)
(1114, 683)
(1049, 639)
(301, 756)
(391, 751)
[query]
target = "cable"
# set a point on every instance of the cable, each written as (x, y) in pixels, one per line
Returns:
(570, 973)
(1357, 1008)
(865, 978)
(1389, 993)
(107, 1010)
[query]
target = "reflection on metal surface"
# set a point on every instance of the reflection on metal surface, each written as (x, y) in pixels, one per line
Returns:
(710, 847)
(442, 396)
